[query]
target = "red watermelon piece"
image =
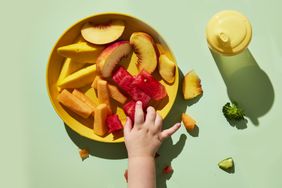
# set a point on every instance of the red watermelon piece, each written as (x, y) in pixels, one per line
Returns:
(129, 109)
(113, 123)
(147, 83)
(126, 175)
(125, 81)
(167, 170)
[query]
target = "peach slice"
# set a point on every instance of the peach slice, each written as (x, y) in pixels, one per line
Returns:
(103, 33)
(144, 48)
(110, 56)
(191, 87)
(166, 68)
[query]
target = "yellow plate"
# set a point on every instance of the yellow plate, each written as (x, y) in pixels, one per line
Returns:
(82, 126)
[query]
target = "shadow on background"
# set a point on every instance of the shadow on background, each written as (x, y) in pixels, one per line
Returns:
(168, 150)
(98, 149)
(246, 83)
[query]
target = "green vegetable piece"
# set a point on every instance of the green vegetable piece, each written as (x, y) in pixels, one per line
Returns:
(232, 112)
(226, 164)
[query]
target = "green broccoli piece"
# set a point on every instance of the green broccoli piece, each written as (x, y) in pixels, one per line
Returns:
(232, 112)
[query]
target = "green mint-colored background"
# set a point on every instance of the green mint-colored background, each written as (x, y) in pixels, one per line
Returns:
(37, 151)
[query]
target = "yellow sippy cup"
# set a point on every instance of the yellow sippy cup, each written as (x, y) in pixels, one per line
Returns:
(228, 32)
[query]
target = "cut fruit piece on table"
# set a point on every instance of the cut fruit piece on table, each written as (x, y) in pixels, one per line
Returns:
(101, 112)
(74, 104)
(126, 175)
(81, 52)
(113, 90)
(69, 66)
(188, 122)
(84, 99)
(125, 81)
(129, 109)
(113, 123)
(111, 56)
(226, 164)
(103, 33)
(167, 169)
(191, 85)
(103, 93)
(84, 154)
(79, 78)
(147, 83)
(144, 48)
(166, 68)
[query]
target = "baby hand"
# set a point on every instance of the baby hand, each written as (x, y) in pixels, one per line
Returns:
(146, 136)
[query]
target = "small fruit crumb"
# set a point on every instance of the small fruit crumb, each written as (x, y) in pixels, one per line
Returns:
(188, 122)
(126, 175)
(84, 154)
(226, 164)
(167, 170)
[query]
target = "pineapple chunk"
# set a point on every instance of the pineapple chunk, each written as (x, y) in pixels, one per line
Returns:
(79, 78)
(191, 85)
(69, 66)
(82, 52)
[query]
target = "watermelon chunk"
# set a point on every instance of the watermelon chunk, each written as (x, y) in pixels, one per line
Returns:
(167, 169)
(129, 109)
(147, 83)
(125, 81)
(113, 123)
(123, 78)
(126, 175)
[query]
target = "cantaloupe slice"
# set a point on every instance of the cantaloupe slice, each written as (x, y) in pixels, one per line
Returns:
(188, 122)
(113, 90)
(101, 113)
(84, 154)
(84, 99)
(74, 104)
(103, 93)
(81, 52)
(94, 83)
(116, 94)
(79, 78)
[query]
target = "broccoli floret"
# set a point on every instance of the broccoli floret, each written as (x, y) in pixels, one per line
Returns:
(232, 112)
